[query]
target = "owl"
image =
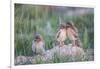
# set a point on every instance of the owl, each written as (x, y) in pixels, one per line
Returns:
(38, 45)
(72, 34)
(61, 35)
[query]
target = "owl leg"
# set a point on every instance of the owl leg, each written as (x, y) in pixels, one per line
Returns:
(73, 43)
(61, 43)
(78, 43)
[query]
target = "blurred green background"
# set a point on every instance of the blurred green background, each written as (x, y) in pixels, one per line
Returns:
(46, 21)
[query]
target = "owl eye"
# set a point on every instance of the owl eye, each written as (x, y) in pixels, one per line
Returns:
(37, 37)
(61, 27)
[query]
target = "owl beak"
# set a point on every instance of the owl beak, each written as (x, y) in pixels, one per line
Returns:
(35, 40)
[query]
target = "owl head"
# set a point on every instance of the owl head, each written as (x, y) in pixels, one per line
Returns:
(69, 24)
(38, 37)
(62, 26)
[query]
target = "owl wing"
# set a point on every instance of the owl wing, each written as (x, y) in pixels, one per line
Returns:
(44, 45)
(33, 46)
(74, 33)
(58, 34)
